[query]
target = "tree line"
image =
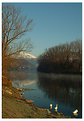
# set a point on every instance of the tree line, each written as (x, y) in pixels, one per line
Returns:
(65, 58)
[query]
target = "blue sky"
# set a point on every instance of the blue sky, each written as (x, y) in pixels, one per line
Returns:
(54, 23)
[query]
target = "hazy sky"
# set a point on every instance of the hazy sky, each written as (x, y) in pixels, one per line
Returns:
(54, 23)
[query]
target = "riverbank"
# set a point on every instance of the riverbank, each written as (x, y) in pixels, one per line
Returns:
(15, 106)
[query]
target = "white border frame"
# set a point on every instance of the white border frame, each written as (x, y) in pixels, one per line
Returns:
(41, 1)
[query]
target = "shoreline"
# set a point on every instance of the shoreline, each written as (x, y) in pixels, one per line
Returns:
(15, 106)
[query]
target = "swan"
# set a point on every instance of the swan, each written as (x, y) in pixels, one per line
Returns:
(56, 107)
(50, 106)
(75, 112)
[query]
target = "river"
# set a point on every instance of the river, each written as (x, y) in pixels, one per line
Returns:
(45, 89)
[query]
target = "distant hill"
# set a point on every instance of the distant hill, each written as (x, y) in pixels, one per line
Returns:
(23, 62)
(25, 56)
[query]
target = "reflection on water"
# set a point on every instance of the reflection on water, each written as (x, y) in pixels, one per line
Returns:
(64, 90)
(23, 83)
(22, 75)
(21, 79)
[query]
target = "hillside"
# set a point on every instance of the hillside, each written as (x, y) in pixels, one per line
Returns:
(23, 62)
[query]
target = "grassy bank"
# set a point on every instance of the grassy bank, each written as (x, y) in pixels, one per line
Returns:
(14, 106)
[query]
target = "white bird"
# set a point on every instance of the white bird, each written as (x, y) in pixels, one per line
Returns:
(56, 107)
(50, 106)
(75, 112)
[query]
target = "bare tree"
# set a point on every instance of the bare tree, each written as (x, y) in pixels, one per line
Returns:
(62, 58)
(14, 26)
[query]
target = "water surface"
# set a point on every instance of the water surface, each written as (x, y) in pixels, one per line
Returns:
(46, 89)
